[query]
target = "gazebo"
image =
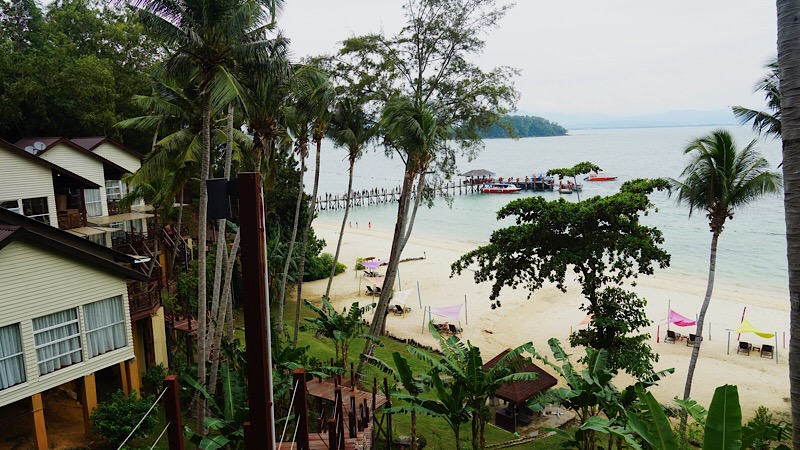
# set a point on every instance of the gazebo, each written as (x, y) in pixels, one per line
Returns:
(519, 392)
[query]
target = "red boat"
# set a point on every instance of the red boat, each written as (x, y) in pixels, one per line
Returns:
(600, 177)
(500, 188)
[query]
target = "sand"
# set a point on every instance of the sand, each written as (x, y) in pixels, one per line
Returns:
(551, 313)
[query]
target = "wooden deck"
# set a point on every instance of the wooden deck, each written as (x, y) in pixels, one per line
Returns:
(325, 389)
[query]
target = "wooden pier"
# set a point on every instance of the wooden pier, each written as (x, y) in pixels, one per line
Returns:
(378, 196)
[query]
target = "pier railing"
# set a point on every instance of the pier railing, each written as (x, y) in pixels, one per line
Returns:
(377, 196)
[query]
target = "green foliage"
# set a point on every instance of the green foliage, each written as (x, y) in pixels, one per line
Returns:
(523, 126)
(228, 412)
(762, 431)
(116, 418)
(723, 430)
(600, 240)
(153, 377)
(319, 267)
(75, 69)
(578, 169)
(341, 328)
(765, 122)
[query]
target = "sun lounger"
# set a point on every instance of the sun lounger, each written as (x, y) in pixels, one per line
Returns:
(767, 350)
(672, 336)
(397, 310)
(744, 347)
(692, 339)
(371, 291)
(454, 329)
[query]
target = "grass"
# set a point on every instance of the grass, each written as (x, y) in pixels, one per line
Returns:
(435, 430)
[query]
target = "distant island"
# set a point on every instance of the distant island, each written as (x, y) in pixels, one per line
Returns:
(524, 126)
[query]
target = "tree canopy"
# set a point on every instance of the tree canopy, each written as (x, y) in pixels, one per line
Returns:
(601, 241)
(523, 126)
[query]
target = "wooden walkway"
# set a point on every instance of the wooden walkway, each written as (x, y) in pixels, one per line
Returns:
(379, 196)
(351, 397)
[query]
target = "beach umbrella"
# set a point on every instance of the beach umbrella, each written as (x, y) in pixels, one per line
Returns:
(747, 327)
(400, 298)
(372, 264)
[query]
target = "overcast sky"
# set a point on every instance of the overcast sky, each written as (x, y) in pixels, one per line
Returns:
(622, 57)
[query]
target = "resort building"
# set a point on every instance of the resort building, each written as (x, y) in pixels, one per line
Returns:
(78, 293)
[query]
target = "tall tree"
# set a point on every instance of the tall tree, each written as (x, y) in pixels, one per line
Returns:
(766, 122)
(207, 39)
(719, 179)
(602, 241)
(789, 68)
(351, 129)
(429, 62)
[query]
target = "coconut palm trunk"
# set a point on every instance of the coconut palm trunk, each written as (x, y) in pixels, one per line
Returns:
(789, 68)
(341, 229)
(290, 252)
(202, 222)
(304, 245)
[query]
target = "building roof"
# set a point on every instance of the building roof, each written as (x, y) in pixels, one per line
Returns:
(519, 392)
(58, 169)
(11, 233)
(51, 142)
(90, 143)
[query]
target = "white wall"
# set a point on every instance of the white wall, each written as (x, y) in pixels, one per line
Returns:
(118, 156)
(79, 163)
(35, 282)
(21, 178)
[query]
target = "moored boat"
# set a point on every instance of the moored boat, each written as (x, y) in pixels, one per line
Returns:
(600, 177)
(500, 188)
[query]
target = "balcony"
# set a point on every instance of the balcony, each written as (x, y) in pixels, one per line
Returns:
(144, 298)
(71, 218)
(115, 207)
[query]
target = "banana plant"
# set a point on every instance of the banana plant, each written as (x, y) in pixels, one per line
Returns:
(341, 328)
(228, 413)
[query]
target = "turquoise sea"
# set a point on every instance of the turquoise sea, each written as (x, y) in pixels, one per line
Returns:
(752, 249)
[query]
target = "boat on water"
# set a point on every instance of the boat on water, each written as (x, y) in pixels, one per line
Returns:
(600, 177)
(500, 188)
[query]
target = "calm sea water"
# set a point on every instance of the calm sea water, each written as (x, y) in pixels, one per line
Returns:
(752, 249)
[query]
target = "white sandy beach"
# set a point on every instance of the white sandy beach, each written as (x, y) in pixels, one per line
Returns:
(551, 313)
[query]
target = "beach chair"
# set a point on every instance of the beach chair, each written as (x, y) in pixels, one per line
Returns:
(692, 339)
(454, 329)
(397, 310)
(744, 347)
(440, 328)
(672, 336)
(767, 350)
(370, 291)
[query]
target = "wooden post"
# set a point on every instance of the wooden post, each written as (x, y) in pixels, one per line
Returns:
(260, 431)
(352, 377)
(300, 408)
(123, 378)
(333, 442)
(39, 428)
(132, 372)
(172, 409)
(352, 416)
(337, 396)
(388, 416)
(88, 398)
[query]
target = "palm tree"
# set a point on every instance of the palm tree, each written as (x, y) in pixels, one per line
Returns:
(412, 130)
(788, 53)
(350, 128)
(209, 38)
(766, 122)
(719, 179)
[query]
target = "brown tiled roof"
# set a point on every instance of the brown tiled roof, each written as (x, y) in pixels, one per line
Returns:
(90, 143)
(519, 392)
(6, 231)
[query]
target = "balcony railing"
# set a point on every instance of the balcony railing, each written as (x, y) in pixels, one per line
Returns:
(115, 207)
(71, 218)
(144, 298)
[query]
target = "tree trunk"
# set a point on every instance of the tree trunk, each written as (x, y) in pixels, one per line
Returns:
(417, 200)
(788, 56)
(202, 221)
(290, 252)
(413, 430)
(341, 230)
(304, 245)
(178, 239)
(216, 341)
(379, 318)
(476, 432)
(457, 435)
(687, 390)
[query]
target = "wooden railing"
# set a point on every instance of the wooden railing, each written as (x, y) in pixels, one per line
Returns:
(71, 218)
(144, 297)
(115, 207)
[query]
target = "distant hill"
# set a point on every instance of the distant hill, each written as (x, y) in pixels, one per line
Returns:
(524, 126)
(683, 118)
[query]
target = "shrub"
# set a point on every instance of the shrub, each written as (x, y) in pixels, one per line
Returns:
(319, 267)
(115, 418)
(153, 378)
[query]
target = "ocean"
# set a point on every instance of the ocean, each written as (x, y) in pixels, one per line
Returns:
(751, 250)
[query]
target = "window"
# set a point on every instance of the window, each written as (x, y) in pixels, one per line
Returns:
(11, 205)
(115, 189)
(105, 325)
(94, 207)
(12, 361)
(58, 340)
(34, 208)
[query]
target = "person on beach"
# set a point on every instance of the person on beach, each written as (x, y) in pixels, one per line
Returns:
(370, 225)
